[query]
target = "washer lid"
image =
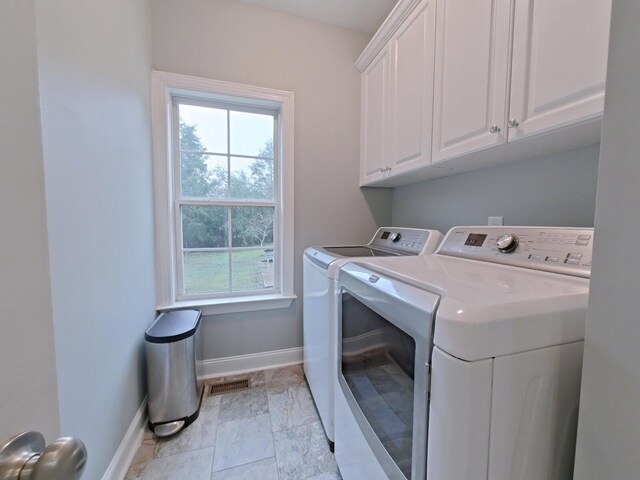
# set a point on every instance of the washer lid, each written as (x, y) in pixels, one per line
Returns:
(488, 310)
(387, 241)
(325, 256)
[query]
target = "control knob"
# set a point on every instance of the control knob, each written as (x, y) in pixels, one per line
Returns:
(395, 237)
(507, 243)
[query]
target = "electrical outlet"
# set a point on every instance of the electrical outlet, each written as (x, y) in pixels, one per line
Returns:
(496, 221)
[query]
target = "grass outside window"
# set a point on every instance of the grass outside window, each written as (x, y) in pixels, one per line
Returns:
(208, 272)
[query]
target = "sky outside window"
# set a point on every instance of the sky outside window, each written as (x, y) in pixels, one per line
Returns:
(211, 126)
(250, 132)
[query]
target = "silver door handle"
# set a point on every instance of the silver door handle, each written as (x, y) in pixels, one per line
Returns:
(494, 129)
(24, 457)
(513, 123)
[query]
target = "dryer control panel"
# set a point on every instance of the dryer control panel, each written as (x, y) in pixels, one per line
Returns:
(412, 241)
(552, 249)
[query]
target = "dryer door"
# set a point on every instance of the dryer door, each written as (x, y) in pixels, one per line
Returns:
(385, 334)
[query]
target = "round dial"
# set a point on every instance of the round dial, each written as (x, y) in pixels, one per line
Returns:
(507, 243)
(395, 237)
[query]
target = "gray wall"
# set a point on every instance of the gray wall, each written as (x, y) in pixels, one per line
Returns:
(558, 189)
(609, 421)
(227, 40)
(28, 398)
(94, 62)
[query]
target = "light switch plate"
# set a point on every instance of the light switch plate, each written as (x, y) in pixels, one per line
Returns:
(496, 221)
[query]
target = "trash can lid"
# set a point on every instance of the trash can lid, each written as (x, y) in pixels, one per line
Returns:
(173, 326)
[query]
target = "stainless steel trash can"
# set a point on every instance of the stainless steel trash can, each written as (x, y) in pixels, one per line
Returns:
(174, 400)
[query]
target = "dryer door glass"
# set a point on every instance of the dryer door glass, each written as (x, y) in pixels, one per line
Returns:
(377, 363)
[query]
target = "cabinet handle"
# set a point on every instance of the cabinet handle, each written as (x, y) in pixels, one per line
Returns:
(513, 123)
(381, 170)
(494, 129)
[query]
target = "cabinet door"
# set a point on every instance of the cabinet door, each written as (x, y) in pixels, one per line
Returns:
(559, 63)
(471, 79)
(412, 52)
(374, 118)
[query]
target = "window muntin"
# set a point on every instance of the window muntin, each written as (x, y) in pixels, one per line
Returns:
(226, 191)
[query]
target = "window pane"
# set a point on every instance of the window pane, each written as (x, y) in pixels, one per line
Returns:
(204, 235)
(206, 272)
(204, 226)
(203, 175)
(251, 134)
(203, 129)
(252, 227)
(251, 178)
(217, 176)
(252, 270)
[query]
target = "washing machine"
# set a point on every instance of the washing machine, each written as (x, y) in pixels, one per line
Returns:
(320, 271)
(472, 365)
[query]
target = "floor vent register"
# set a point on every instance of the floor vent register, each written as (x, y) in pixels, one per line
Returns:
(228, 386)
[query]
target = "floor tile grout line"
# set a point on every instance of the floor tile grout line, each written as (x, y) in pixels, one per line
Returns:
(273, 438)
(245, 419)
(215, 441)
(242, 465)
(213, 453)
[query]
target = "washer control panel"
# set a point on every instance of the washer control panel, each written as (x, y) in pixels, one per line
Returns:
(406, 240)
(552, 249)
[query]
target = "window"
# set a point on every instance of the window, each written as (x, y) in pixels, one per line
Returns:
(224, 157)
(223, 171)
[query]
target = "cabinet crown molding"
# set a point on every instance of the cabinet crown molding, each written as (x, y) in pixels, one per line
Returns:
(391, 24)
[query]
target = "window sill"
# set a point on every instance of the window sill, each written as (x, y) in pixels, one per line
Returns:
(214, 306)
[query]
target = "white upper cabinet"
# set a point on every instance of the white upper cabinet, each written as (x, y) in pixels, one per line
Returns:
(559, 63)
(374, 107)
(511, 69)
(412, 49)
(397, 95)
(472, 68)
(455, 85)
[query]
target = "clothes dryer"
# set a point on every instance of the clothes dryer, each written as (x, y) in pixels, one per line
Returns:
(320, 271)
(472, 361)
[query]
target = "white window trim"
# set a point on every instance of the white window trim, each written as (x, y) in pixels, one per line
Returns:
(163, 86)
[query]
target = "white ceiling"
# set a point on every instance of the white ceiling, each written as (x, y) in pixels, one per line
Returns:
(363, 16)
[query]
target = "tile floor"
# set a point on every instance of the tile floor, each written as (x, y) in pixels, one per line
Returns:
(271, 431)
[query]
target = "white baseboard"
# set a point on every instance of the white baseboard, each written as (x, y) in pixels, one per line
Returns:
(128, 448)
(219, 367)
